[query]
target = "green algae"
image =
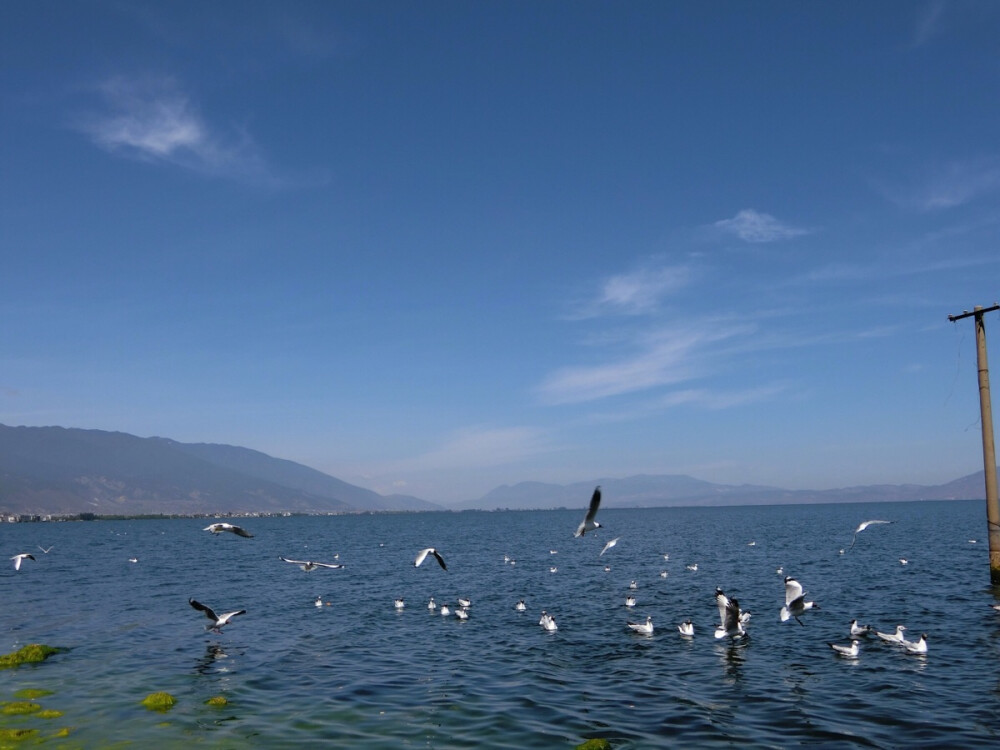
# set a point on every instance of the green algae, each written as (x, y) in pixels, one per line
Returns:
(20, 707)
(32, 693)
(33, 653)
(159, 701)
(16, 734)
(598, 743)
(49, 713)
(217, 700)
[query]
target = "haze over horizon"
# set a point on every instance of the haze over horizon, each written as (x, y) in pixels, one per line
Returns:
(435, 248)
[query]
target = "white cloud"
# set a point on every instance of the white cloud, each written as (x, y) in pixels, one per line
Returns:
(478, 447)
(753, 226)
(153, 119)
(946, 186)
(666, 356)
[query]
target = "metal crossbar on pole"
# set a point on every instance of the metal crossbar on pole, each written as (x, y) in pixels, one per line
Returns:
(989, 453)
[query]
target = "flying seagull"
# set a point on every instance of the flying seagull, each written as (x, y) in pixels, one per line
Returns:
(609, 545)
(861, 527)
(308, 565)
(218, 528)
(588, 523)
(795, 601)
(429, 551)
(731, 618)
(46, 551)
(23, 556)
(217, 620)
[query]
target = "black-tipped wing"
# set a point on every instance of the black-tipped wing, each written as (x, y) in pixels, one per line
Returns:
(437, 556)
(422, 555)
(595, 503)
(241, 532)
(209, 613)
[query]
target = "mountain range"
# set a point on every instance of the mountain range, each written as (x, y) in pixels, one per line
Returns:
(57, 470)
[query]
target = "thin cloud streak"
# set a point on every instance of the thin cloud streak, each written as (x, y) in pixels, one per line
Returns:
(757, 227)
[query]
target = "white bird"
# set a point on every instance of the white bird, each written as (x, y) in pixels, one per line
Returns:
(666, 556)
(607, 568)
(445, 609)
(861, 527)
(553, 552)
(133, 559)
(609, 545)
(462, 613)
(588, 523)
(218, 528)
(629, 601)
(319, 601)
(795, 601)
(308, 565)
(663, 574)
(918, 646)
(633, 585)
(903, 561)
(553, 569)
(548, 622)
(850, 652)
(46, 551)
(23, 556)
(464, 603)
(857, 630)
(751, 544)
(896, 637)
(422, 555)
(643, 628)
(692, 568)
(686, 628)
(217, 620)
(399, 603)
(431, 605)
(730, 616)
(521, 606)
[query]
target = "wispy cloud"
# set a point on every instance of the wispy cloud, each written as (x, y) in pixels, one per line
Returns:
(637, 292)
(153, 119)
(479, 447)
(928, 22)
(953, 184)
(664, 356)
(753, 226)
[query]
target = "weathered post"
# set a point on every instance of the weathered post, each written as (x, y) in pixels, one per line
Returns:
(989, 453)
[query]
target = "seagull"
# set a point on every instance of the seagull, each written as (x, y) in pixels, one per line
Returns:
(133, 559)
(686, 628)
(731, 618)
(609, 545)
(861, 527)
(643, 628)
(629, 601)
(896, 637)
(431, 605)
(218, 528)
(23, 556)
(461, 613)
(693, 568)
(319, 601)
(553, 569)
(588, 523)
(520, 606)
(399, 604)
(445, 610)
(308, 565)
(917, 647)
(607, 568)
(850, 652)
(46, 551)
(548, 622)
(663, 574)
(217, 620)
(903, 561)
(429, 551)
(464, 603)
(633, 585)
(795, 601)
(857, 630)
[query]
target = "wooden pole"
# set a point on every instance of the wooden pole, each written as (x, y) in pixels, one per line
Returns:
(989, 453)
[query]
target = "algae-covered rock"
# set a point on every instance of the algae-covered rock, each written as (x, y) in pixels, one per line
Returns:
(217, 700)
(596, 743)
(16, 734)
(49, 713)
(159, 701)
(32, 693)
(19, 707)
(30, 654)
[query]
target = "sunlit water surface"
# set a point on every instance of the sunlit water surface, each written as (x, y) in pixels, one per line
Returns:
(358, 673)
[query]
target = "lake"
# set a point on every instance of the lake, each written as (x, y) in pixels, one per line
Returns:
(356, 672)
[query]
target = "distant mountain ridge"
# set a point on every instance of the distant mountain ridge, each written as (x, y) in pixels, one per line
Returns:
(66, 471)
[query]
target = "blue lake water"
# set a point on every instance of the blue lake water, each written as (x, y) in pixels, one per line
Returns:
(358, 673)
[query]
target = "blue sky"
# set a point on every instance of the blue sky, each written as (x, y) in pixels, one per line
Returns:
(434, 247)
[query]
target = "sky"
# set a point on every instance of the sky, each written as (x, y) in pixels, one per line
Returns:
(434, 247)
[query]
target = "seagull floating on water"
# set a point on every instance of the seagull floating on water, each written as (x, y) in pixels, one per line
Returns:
(445, 610)
(23, 556)
(903, 561)
(588, 523)
(643, 628)
(692, 568)
(633, 585)
(861, 527)
(857, 630)
(851, 652)
(422, 555)
(431, 605)
(731, 617)
(548, 622)
(319, 601)
(217, 620)
(629, 601)
(464, 602)
(686, 628)
(896, 637)
(218, 528)
(399, 603)
(308, 565)
(917, 647)
(663, 574)
(521, 606)
(795, 601)
(609, 545)
(462, 613)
